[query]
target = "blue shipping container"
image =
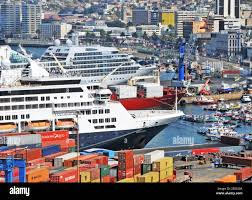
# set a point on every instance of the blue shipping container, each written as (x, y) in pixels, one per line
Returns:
(3, 148)
(48, 150)
(179, 153)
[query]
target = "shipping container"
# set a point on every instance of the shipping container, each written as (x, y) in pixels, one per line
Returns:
(104, 170)
(163, 163)
(137, 169)
(205, 151)
(151, 177)
(50, 158)
(48, 150)
(149, 158)
(127, 180)
(38, 175)
(125, 155)
(29, 154)
(138, 159)
(227, 179)
(20, 139)
(58, 161)
(124, 91)
(85, 177)
(129, 173)
(243, 174)
(50, 136)
(36, 162)
(66, 176)
(112, 179)
(113, 171)
(145, 168)
(94, 173)
(165, 173)
(96, 180)
(125, 164)
(105, 179)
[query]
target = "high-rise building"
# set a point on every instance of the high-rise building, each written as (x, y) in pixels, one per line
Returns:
(31, 18)
(54, 30)
(10, 18)
(140, 16)
(228, 8)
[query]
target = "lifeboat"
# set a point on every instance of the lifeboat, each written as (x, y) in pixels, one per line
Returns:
(8, 127)
(64, 123)
(38, 125)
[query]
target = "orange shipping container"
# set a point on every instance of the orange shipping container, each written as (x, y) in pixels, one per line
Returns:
(36, 162)
(105, 179)
(73, 161)
(227, 179)
(38, 175)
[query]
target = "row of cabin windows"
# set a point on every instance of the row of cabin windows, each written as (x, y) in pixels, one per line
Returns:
(14, 117)
(107, 120)
(22, 99)
(107, 126)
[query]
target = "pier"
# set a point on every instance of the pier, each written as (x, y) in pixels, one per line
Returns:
(29, 43)
(216, 97)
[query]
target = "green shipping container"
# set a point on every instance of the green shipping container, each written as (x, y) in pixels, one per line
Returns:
(104, 170)
(72, 149)
(145, 168)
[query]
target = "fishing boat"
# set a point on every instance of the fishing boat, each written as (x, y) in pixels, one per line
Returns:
(202, 100)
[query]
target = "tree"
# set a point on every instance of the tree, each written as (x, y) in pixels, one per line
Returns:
(129, 24)
(116, 23)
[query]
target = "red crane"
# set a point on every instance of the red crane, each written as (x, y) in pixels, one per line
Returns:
(203, 91)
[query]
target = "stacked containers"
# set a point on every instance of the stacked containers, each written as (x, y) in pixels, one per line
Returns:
(165, 168)
(149, 158)
(138, 161)
(19, 140)
(38, 175)
(227, 179)
(48, 150)
(58, 161)
(237, 160)
(151, 89)
(104, 173)
(150, 177)
(29, 154)
(67, 176)
(125, 164)
(124, 91)
(81, 159)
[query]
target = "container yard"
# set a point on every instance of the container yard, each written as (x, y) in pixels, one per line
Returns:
(55, 161)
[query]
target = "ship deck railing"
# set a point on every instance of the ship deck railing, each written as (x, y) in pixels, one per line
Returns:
(149, 113)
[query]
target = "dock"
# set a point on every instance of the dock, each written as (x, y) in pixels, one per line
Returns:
(29, 43)
(216, 97)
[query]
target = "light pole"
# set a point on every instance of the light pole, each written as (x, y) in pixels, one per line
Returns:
(78, 147)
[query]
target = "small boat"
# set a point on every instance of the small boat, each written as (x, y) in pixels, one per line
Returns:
(8, 127)
(202, 100)
(38, 125)
(64, 124)
(246, 99)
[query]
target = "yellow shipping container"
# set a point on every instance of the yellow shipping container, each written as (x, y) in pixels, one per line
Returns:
(168, 18)
(85, 177)
(96, 181)
(127, 180)
(151, 177)
(166, 173)
(163, 163)
(135, 177)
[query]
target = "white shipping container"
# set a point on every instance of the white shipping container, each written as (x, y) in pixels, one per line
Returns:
(113, 172)
(154, 91)
(19, 140)
(124, 91)
(58, 161)
(149, 158)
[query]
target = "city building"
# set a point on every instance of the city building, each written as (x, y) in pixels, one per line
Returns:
(140, 16)
(187, 16)
(199, 26)
(10, 17)
(228, 8)
(31, 18)
(225, 43)
(148, 29)
(168, 18)
(154, 17)
(54, 30)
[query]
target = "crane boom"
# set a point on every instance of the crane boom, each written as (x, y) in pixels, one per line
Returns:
(56, 59)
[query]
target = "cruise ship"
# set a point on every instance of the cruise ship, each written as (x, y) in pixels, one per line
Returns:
(39, 102)
(92, 63)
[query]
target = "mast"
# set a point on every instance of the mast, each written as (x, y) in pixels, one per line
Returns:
(176, 100)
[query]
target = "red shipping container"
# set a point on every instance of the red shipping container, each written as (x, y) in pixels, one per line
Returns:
(105, 179)
(112, 179)
(137, 169)
(243, 173)
(126, 164)
(138, 159)
(125, 155)
(101, 160)
(36, 162)
(10, 152)
(205, 151)
(29, 154)
(82, 158)
(122, 174)
(50, 136)
(51, 157)
(67, 176)
(71, 142)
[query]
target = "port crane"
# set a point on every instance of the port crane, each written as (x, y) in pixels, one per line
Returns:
(203, 90)
(7, 165)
